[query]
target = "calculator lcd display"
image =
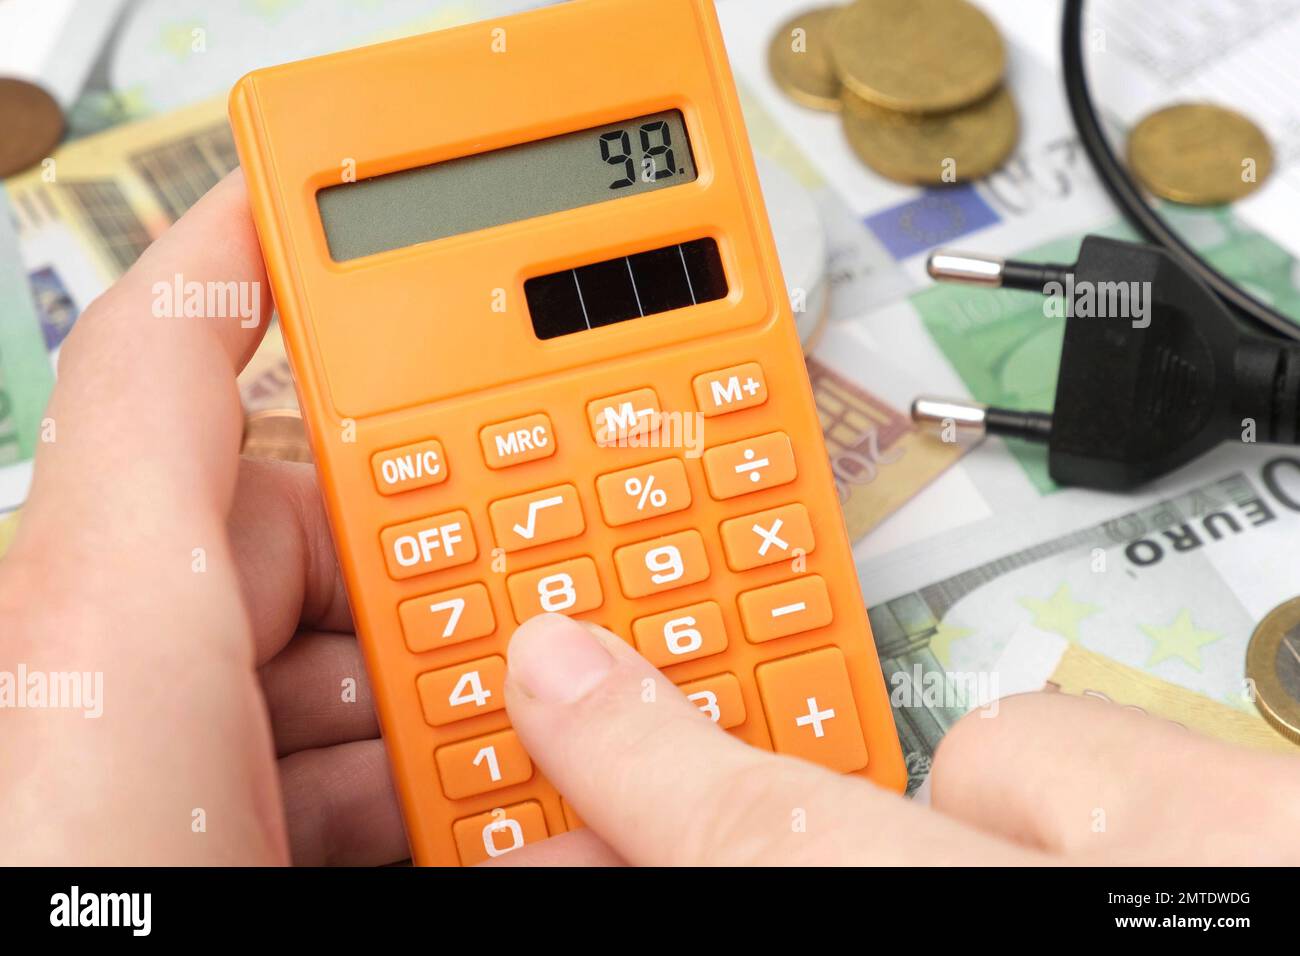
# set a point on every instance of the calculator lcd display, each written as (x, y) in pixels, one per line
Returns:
(506, 185)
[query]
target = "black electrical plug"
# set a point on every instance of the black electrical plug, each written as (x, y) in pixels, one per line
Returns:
(1154, 368)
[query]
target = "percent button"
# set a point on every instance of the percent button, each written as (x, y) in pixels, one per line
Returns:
(645, 491)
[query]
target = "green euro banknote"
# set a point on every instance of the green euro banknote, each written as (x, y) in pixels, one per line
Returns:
(1172, 588)
(26, 375)
(1006, 349)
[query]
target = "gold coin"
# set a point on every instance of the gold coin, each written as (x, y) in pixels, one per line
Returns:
(277, 433)
(1273, 666)
(917, 56)
(799, 57)
(1199, 154)
(933, 149)
(31, 125)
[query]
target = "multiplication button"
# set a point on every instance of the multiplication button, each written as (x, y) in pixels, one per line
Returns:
(767, 537)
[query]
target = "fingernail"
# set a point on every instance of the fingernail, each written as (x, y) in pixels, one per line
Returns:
(557, 660)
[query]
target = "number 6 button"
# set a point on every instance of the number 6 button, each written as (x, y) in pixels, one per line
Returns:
(681, 635)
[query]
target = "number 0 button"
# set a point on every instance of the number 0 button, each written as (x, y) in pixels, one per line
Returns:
(463, 691)
(499, 832)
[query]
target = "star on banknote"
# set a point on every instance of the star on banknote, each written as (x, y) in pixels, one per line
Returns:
(1060, 614)
(1181, 639)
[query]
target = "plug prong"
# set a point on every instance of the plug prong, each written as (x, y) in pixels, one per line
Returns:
(976, 419)
(938, 412)
(965, 268)
(993, 272)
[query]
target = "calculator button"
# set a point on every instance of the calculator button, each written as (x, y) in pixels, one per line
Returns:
(409, 467)
(540, 517)
(517, 441)
(646, 491)
(482, 764)
(428, 544)
(811, 711)
(681, 635)
(730, 389)
(463, 691)
(571, 818)
(718, 698)
(569, 587)
(498, 832)
(616, 418)
(661, 564)
(790, 607)
(766, 537)
(448, 617)
(750, 465)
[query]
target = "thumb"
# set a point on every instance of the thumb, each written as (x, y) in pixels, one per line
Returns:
(664, 786)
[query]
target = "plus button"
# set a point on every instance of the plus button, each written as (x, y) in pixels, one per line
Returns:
(815, 717)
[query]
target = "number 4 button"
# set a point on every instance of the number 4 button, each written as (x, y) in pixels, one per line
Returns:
(811, 710)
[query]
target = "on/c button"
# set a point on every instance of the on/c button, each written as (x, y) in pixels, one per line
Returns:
(409, 467)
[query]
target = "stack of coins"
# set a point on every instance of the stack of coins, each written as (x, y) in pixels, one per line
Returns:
(919, 84)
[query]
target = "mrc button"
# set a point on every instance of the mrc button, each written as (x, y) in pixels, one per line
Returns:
(517, 441)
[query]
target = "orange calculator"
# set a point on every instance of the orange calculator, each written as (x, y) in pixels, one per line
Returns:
(548, 363)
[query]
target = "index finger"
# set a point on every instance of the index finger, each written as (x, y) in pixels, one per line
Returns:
(664, 786)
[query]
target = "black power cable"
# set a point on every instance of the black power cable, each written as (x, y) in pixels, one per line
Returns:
(1126, 194)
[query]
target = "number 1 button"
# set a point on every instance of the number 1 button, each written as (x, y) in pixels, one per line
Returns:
(482, 764)
(811, 711)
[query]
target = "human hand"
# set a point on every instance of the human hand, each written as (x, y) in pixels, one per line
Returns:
(203, 588)
(1050, 779)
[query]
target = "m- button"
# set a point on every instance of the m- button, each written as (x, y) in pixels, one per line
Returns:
(730, 389)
